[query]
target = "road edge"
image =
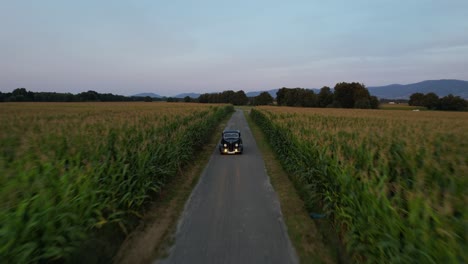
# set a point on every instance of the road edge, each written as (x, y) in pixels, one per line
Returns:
(161, 219)
(307, 238)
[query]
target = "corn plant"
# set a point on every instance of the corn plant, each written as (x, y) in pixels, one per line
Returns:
(67, 170)
(393, 183)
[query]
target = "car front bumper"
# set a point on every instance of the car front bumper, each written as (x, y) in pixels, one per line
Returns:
(233, 151)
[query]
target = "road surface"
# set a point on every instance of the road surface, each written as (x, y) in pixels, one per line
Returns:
(233, 214)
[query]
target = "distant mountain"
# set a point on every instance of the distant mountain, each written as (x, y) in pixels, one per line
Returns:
(191, 95)
(439, 87)
(152, 95)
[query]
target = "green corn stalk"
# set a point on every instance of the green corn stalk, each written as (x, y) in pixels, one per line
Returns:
(391, 198)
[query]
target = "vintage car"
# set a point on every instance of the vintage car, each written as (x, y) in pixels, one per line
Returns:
(231, 142)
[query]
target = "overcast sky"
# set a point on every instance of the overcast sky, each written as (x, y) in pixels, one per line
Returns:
(174, 46)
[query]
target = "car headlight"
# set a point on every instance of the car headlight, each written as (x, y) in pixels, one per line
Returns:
(225, 145)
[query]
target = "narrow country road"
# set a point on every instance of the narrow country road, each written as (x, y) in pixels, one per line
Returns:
(233, 214)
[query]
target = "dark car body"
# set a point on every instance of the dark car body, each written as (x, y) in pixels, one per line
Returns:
(231, 142)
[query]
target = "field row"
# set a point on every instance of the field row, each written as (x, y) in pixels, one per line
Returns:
(392, 182)
(69, 169)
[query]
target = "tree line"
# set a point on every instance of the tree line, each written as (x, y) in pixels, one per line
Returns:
(23, 95)
(345, 95)
(226, 97)
(433, 102)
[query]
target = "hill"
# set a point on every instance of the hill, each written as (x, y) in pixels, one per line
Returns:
(439, 87)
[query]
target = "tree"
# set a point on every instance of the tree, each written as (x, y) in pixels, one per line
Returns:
(88, 96)
(416, 99)
(325, 97)
(171, 100)
(362, 103)
(22, 95)
(226, 97)
(352, 95)
(296, 97)
(239, 98)
(452, 103)
(204, 98)
(292, 97)
(280, 96)
(374, 102)
(148, 99)
(307, 98)
(20, 91)
(187, 99)
(360, 93)
(344, 95)
(264, 98)
(431, 101)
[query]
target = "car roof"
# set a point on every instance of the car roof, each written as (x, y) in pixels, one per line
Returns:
(231, 131)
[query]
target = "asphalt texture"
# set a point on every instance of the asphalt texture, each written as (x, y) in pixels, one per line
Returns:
(233, 214)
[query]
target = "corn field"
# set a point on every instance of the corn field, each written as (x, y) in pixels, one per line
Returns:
(393, 183)
(67, 169)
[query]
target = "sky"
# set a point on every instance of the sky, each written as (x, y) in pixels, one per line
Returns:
(175, 46)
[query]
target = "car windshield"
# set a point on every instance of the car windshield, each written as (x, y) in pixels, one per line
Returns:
(231, 135)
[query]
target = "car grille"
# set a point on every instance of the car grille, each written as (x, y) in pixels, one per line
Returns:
(231, 146)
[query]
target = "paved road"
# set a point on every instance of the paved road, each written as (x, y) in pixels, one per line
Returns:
(233, 214)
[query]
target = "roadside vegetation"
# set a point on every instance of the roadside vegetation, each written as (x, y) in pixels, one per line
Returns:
(70, 170)
(313, 240)
(393, 186)
(154, 235)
